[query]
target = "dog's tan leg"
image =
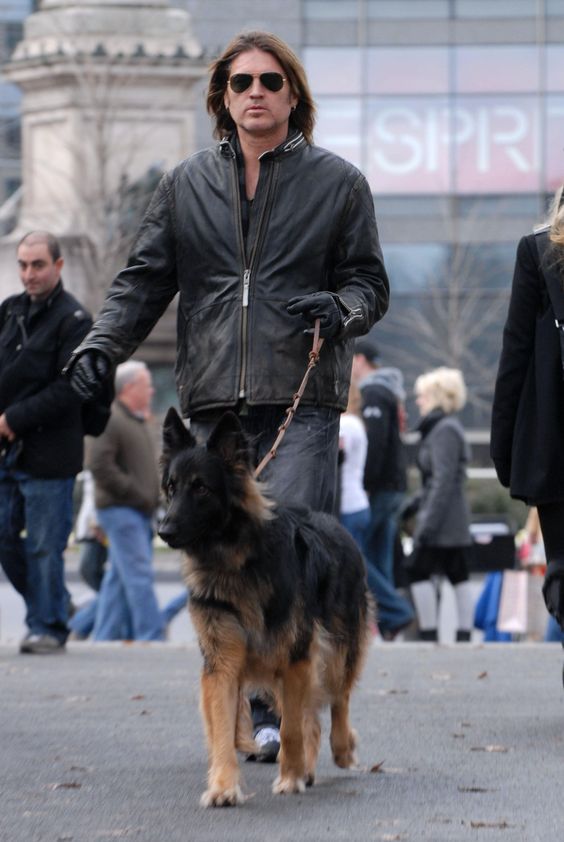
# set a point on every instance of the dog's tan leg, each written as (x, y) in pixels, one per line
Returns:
(219, 700)
(312, 740)
(296, 682)
(244, 730)
(343, 739)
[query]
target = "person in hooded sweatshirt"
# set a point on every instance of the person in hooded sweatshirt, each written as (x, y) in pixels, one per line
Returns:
(385, 480)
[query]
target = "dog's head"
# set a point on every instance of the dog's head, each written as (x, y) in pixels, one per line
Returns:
(205, 485)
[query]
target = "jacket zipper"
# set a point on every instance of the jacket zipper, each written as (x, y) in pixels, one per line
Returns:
(20, 319)
(247, 268)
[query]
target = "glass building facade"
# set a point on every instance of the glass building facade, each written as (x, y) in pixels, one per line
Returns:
(454, 110)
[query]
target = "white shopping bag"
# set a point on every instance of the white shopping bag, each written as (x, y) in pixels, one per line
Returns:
(512, 614)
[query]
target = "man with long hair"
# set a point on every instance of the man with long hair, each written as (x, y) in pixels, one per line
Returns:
(260, 235)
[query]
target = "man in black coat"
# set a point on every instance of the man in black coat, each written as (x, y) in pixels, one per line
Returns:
(260, 236)
(41, 438)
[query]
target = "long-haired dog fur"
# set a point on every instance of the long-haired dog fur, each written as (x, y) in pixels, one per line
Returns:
(278, 599)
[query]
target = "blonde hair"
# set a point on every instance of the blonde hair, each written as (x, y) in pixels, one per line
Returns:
(445, 386)
(556, 220)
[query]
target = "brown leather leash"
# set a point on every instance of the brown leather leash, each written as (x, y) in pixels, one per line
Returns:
(291, 410)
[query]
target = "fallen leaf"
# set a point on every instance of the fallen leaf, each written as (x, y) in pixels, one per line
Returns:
(483, 674)
(137, 698)
(472, 789)
(66, 785)
(377, 767)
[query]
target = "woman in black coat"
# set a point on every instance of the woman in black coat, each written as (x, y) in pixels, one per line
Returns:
(527, 436)
(441, 540)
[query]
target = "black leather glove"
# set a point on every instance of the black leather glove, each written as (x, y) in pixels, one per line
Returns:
(553, 591)
(318, 305)
(87, 373)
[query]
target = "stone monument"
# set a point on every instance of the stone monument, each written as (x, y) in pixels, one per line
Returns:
(108, 101)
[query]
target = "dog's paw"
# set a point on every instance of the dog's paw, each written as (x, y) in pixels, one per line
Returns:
(345, 756)
(216, 797)
(284, 785)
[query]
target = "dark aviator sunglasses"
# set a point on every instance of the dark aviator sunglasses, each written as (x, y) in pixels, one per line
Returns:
(272, 81)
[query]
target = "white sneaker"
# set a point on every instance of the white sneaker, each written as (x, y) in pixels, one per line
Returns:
(267, 740)
(41, 644)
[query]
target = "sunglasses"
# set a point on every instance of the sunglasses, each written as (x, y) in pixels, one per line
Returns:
(272, 81)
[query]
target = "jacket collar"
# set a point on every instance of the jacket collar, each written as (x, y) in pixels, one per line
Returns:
(24, 305)
(430, 420)
(295, 140)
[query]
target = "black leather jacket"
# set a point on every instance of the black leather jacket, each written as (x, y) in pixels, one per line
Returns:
(41, 407)
(311, 228)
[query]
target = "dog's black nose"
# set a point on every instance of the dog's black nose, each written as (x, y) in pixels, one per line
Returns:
(168, 534)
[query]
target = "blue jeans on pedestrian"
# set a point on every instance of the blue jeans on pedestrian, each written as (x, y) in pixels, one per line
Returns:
(305, 469)
(553, 632)
(174, 606)
(82, 621)
(127, 605)
(393, 611)
(34, 564)
(380, 541)
(357, 524)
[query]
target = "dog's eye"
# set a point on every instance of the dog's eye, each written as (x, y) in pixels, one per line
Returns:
(198, 487)
(170, 488)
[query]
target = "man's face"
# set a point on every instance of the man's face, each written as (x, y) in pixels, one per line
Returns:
(257, 110)
(39, 273)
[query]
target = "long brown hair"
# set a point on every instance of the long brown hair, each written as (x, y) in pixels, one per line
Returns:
(301, 118)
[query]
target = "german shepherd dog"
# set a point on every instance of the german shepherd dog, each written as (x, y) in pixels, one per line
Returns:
(278, 599)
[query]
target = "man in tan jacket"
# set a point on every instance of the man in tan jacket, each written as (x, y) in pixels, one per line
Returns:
(123, 463)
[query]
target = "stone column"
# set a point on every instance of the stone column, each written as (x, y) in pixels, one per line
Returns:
(108, 103)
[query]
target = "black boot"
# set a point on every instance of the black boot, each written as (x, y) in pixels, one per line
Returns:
(428, 635)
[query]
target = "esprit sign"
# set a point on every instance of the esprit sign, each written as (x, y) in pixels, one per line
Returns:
(465, 145)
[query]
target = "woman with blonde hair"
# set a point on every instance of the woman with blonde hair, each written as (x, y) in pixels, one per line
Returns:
(442, 537)
(527, 440)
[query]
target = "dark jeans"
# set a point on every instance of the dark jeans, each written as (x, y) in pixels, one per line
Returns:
(304, 471)
(394, 612)
(380, 539)
(34, 564)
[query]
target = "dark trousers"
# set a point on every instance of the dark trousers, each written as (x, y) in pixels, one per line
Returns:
(551, 516)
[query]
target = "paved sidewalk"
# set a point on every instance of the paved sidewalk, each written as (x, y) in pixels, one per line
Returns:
(105, 742)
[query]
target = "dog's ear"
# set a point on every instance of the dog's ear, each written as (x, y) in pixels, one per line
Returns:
(229, 441)
(175, 435)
